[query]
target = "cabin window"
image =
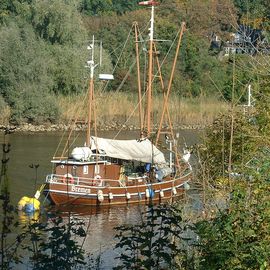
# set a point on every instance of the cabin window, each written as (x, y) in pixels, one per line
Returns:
(74, 170)
(85, 169)
(96, 169)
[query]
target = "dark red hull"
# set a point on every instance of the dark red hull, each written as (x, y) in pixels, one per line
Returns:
(73, 194)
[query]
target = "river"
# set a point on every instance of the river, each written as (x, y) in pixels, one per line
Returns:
(38, 149)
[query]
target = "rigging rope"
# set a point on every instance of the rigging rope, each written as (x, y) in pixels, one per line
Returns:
(106, 85)
(135, 108)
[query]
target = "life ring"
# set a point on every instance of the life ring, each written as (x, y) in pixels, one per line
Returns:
(97, 181)
(97, 177)
(68, 178)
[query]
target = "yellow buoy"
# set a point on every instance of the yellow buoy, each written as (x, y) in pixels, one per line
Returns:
(36, 203)
(23, 201)
(26, 200)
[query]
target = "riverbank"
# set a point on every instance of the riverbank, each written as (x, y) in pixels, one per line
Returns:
(30, 128)
(118, 110)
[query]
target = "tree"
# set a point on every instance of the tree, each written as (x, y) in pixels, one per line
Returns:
(95, 7)
(235, 236)
(101, 7)
(58, 22)
(238, 237)
(255, 9)
(24, 80)
(122, 6)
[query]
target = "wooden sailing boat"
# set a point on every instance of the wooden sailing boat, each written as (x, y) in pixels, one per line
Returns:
(96, 174)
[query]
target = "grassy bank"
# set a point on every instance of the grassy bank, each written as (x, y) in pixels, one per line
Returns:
(114, 109)
(122, 108)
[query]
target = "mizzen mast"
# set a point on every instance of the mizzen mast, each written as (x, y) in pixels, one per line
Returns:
(103, 77)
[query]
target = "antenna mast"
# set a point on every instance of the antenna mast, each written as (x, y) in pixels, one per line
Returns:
(91, 65)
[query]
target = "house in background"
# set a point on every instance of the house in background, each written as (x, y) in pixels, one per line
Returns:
(245, 41)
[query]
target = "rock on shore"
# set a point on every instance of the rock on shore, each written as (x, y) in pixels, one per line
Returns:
(64, 127)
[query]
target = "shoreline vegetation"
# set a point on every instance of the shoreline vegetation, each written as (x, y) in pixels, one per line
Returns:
(118, 110)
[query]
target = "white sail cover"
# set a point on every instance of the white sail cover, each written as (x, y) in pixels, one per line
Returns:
(140, 150)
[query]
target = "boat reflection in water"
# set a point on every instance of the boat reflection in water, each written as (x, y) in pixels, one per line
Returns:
(100, 223)
(83, 211)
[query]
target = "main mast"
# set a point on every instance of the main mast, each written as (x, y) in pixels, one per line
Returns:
(150, 65)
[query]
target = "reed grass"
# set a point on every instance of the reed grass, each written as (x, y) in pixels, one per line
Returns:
(5, 115)
(122, 108)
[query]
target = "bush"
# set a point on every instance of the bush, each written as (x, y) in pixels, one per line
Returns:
(4, 111)
(34, 107)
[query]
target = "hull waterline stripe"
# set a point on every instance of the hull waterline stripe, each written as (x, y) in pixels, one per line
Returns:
(91, 195)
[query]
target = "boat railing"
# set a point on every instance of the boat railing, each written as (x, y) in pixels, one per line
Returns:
(83, 181)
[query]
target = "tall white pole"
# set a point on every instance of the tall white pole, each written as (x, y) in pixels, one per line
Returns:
(150, 71)
(92, 65)
(90, 93)
(151, 34)
(249, 95)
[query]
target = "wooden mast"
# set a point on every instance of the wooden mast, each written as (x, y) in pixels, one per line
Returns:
(164, 93)
(91, 65)
(150, 65)
(166, 98)
(165, 103)
(139, 77)
(150, 71)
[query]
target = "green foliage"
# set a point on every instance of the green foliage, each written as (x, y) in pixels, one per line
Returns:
(250, 133)
(24, 80)
(154, 243)
(238, 237)
(263, 107)
(215, 152)
(14, 8)
(34, 107)
(202, 72)
(54, 245)
(242, 74)
(58, 22)
(255, 9)
(3, 104)
(41, 55)
(67, 69)
(95, 7)
(47, 54)
(198, 72)
(122, 6)
(99, 7)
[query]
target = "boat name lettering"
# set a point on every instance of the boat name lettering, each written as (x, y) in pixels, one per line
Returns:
(80, 189)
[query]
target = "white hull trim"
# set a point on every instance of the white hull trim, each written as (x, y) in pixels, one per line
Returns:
(94, 195)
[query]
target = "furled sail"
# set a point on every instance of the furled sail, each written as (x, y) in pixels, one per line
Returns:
(140, 150)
